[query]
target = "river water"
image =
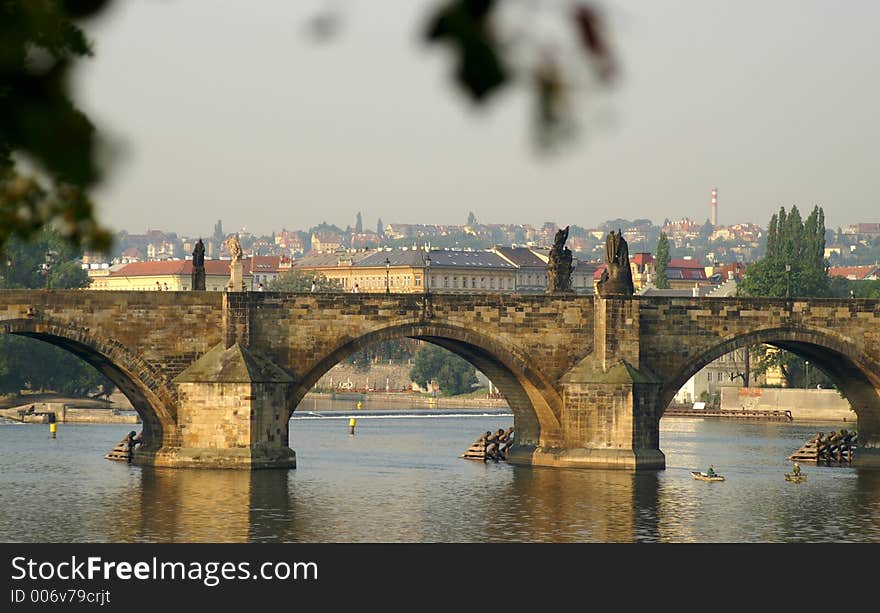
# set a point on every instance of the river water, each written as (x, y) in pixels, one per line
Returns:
(399, 478)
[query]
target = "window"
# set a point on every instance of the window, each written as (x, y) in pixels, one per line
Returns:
(709, 376)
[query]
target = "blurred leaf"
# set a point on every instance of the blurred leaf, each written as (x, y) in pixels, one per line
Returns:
(463, 24)
(39, 45)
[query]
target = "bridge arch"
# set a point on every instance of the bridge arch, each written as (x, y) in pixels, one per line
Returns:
(534, 401)
(142, 385)
(851, 369)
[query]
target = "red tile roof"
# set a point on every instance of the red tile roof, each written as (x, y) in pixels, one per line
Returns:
(856, 273)
(683, 263)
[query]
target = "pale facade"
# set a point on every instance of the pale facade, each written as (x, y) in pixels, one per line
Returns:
(408, 271)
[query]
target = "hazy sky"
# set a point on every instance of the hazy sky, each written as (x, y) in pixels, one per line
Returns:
(223, 109)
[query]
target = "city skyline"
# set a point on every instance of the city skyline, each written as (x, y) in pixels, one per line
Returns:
(239, 116)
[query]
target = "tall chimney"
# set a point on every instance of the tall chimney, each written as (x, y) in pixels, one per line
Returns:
(714, 217)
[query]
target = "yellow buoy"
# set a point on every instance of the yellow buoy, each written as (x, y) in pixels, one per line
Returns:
(360, 405)
(53, 428)
(351, 424)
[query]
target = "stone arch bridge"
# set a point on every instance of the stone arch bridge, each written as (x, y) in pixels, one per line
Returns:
(216, 376)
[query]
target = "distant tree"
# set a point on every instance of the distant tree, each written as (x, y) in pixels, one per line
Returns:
(380, 228)
(798, 244)
(472, 219)
(30, 364)
(612, 225)
(25, 263)
(27, 363)
(326, 227)
(359, 224)
(453, 374)
(398, 350)
(842, 287)
(706, 230)
(301, 281)
(661, 261)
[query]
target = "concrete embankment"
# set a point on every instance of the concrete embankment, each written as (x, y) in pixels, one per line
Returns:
(805, 405)
(46, 412)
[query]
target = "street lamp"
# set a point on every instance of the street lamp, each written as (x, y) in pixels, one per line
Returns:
(788, 280)
(806, 374)
(8, 272)
(47, 264)
(387, 276)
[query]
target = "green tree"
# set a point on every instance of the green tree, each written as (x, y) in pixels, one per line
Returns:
(661, 262)
(26, 263)
(794, 263)
(706, 230)
(301, 281)
(452, 373)
(30, 364)
(846, 288)
(398, 350)
(27, 363)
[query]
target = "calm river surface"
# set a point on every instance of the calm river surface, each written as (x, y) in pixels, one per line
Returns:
(400, 479)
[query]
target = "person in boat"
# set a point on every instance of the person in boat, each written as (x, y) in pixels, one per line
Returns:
(710, 472)
(796, 469)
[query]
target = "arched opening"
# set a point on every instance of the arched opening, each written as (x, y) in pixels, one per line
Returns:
(533, 401)
(852, 372)
(123, 370)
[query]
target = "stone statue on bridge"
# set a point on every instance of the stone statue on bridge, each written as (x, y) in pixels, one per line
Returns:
(236, 279)
(198, 272)
(559, 266)
(617, 278)
(234, 248)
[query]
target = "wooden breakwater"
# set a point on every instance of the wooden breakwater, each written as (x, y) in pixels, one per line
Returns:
(834, 448)
(490, 446)
(760, 414)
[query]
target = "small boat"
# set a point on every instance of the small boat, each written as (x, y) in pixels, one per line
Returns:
(704, 477)
(795, 478)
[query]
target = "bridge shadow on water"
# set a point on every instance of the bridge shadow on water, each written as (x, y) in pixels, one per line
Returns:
(521, 505)
(494, 503)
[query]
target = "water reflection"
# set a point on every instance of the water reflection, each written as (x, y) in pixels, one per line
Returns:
(402, 480)
(569, 505)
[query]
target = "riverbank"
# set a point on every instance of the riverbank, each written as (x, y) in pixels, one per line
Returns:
(48, 407)
(399, 400)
